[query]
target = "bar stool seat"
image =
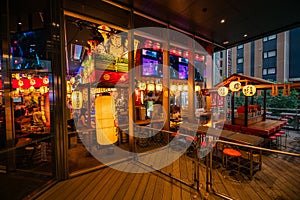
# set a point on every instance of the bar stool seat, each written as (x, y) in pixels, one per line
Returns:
(283, 134)
(278, 138)
(232, 152)
(230, 155)
(272, 138)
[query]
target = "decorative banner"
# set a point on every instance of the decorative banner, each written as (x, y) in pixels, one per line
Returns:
(221, 101)
(235, 86)
(213, 99)
(77, 100)
(205, 92)
(138, 97)
(274, 91)
(223, 91)
(286, 90)
(249, 90)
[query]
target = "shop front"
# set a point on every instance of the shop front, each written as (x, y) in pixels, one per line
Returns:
(30, 67)
(75, 88)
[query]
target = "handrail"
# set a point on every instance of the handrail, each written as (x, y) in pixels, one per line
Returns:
(26, 144)
(260, 148)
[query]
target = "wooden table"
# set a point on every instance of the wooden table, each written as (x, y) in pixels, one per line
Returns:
(263, 128)
(248, 140)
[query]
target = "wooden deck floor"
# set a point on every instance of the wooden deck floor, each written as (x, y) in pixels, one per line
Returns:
(278, 179)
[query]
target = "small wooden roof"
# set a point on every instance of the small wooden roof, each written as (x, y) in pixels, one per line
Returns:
(244, 79)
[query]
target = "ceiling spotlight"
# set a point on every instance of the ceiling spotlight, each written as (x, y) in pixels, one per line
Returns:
(226, 42)
(245, 35)
(222, 21)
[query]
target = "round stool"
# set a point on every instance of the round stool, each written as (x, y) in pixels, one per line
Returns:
(284, 134)
(278, 138)
(272, 138)
(232, 153)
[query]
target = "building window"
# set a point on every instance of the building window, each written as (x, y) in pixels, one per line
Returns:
(265, 71)
(240, 60)
(272, 70)
(270, 37)
(269, 71)
(240, 46)
(269, 54)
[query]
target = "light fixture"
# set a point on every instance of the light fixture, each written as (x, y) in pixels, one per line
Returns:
(150, 87)
(223, 91)
(245, 35)
(180, 88)
(142, 85)
(159, 87)
(185, 88)
(249, 90)
(235, 86)
(226, 42)
(69, 87)
(222, 21)
(173, 88)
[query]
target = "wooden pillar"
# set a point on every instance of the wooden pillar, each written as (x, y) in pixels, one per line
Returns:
(246, 111)
(265, 105)
(232, 108)
(191, 87)
(131, 84)
(166, 81)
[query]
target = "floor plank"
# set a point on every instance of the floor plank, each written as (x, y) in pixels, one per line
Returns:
(278, 179)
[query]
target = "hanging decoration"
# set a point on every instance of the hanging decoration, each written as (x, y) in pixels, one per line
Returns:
(150, 87)
(180, 88)
(223, 91)
(249, 90)
(274, 91)
(77, 100)
(185, 87)
(235, 86)
(286, 90)
(158, 87)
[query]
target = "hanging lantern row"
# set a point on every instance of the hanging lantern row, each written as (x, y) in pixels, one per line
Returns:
(149, 44)
(26, 83)
(103, 90)
(235, 86)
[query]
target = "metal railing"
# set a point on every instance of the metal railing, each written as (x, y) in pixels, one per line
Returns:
(191, 154)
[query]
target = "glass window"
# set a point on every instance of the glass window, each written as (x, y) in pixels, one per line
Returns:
(272, 70)
(265, 71)
(272, 37)
(265, 39)
(271, 54)
(240, 46)
(240, 60)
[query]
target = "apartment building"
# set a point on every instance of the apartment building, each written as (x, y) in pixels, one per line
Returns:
(275, 57)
